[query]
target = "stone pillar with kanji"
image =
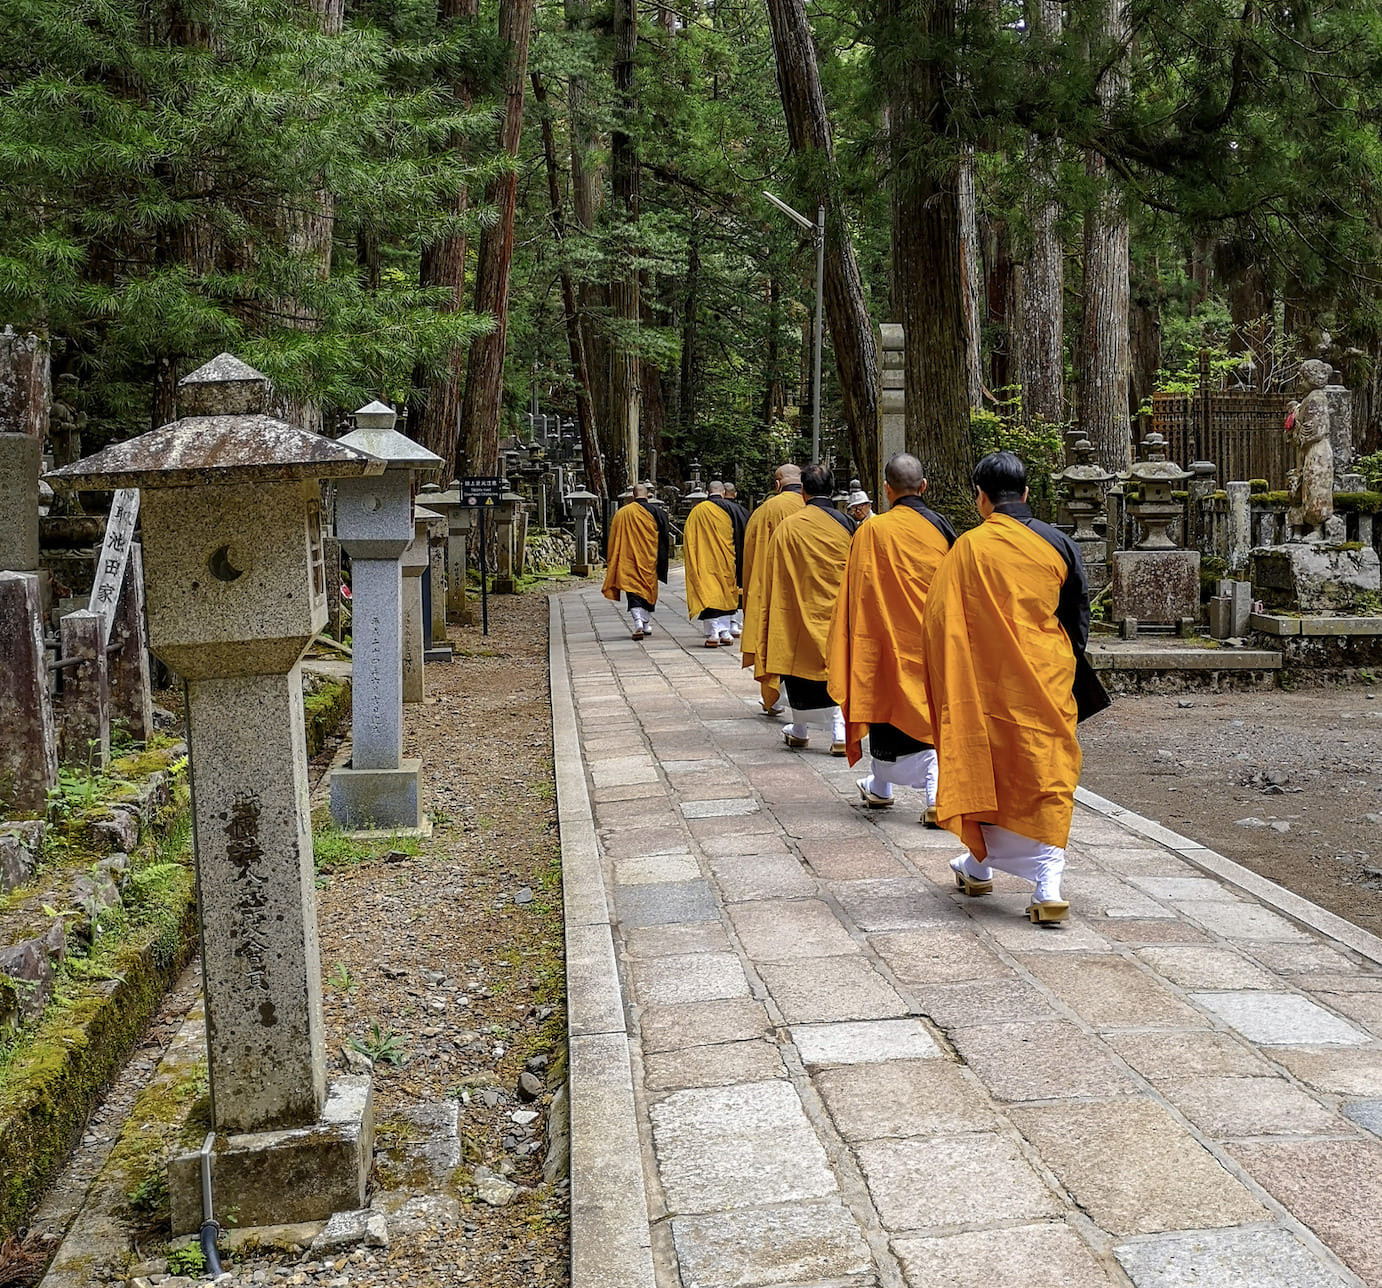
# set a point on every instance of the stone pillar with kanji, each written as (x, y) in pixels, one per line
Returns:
(231, 521)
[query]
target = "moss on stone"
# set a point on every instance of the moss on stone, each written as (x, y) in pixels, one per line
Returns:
(1358, 502)
(324, 710)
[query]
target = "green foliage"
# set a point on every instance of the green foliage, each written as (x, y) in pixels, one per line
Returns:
(1370, 467)
(341, 979)
(334, 849)
(381, 1045)
(1038, 445)
(187, 1260)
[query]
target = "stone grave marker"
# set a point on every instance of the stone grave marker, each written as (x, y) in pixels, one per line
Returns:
(28, 735)
(374, 523)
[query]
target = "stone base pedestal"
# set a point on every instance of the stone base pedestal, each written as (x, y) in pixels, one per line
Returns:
(504, 586)
(1156, 587)
(270, 1178)
(438, 653)
(1314, 576)
(580, 570)
(378, 799)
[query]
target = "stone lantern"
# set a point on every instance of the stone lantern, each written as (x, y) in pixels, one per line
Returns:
(374, 523)
(1156, 509)
(1155, 583)
(580, 503)
(231, 517)
(505, 524)
(1084, 482)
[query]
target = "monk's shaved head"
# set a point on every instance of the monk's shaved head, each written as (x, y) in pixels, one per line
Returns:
(716, 488)
(788, 473)
(640, 491)
(905, 475)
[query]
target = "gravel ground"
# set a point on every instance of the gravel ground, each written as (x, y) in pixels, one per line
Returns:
(1287, 784)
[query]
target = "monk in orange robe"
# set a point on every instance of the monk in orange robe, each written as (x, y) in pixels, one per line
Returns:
(875, 656)
(1003, 634)
(757, 537)
(806, 566)
(714, 544)
(640, 542)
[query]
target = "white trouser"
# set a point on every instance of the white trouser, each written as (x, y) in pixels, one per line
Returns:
(919, 769)
(717, 626)
(1021, 857)
(642, 619)
(736, 624)
(823, 717)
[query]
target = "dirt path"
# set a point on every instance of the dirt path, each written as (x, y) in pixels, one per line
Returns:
(1288, 784)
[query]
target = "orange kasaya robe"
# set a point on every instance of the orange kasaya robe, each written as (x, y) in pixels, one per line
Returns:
(877, 673)
(708, 543)
(806, 566)
(631, 561)
(758, 535)
(998, 676)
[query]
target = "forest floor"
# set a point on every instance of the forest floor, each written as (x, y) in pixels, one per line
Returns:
(1287, 784)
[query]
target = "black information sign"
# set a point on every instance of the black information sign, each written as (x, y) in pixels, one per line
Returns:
(485, 486)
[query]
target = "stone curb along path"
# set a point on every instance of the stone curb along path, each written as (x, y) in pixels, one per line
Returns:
(800, 1057)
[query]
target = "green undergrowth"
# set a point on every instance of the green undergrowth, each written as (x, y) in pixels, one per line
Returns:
(333, 849)
(53, 1068)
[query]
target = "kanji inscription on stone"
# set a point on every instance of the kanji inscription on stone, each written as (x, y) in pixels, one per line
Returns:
(115, 554)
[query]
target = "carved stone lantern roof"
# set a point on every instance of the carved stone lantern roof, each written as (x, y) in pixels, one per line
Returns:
(1154, 467)
(374, 433)
(227, 436)
(1085, 470)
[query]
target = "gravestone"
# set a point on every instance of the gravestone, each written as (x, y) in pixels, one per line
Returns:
(434, 588)
(416, 563)
(505, 582)
(84, 704)
(1340, 399)
(20, 465)
(580, 503)
(380, 788)
(28, 735)
(1240, 541)
(115, 553)
(131, 694)
(1229, 609)
(1315, 576)
(236, 592)
(892, 398)
(459, 518)
(1155, 584)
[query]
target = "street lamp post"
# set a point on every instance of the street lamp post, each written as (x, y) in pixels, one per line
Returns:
(817, 231)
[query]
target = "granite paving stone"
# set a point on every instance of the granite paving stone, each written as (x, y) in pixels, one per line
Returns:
(1333, 1186)
(1005, 918)
(1101, 892)
(671, 941)
(1134, 1169)
(1000, 1001)
(902, 1098)
(1162, 1057)
(656, 869)
(1208, 967)
(721, 808)
(831, 988)
(694, 977)
(1050, 1255)
(724, 1064)
(735, 826)
(1365, 1008)
(935, 956)
(619, 771)
(1044, 1061)
(930, 1182)
(1271, 1258)
(724, 1148)
(1136, 932)
(853, 862)
(1280, 1019)
(1366, 1113)
(642, 812)
(1301, 959)
(1107, 990)
(1342, 1071)
(731, 846)
(1242, 921)
(1141, 861)
(787, 929)
(810, 1242)
(1225, 1107)
(762, 876)
(1184, 889)
(672, 1028)
(894, 904)
(664, 903)
(629, 843)
(863, 1042)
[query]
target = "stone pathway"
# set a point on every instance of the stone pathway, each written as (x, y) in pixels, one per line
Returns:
(842, 1072)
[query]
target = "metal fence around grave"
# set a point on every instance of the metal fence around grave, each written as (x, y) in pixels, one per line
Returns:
(1240, 430)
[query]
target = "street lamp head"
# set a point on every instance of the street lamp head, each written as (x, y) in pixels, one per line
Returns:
(791, 214)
